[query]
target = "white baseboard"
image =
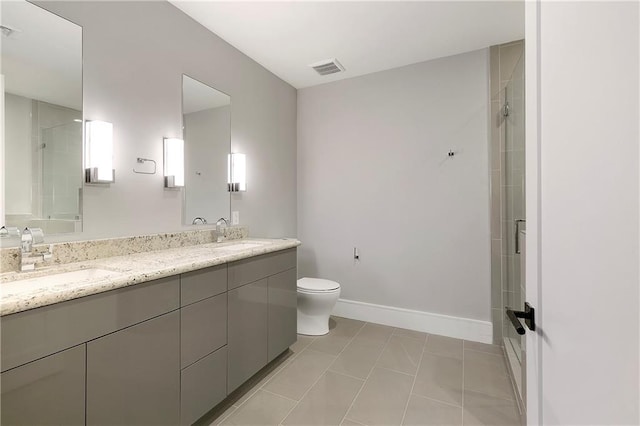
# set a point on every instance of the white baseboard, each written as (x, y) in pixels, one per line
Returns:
(444, 325)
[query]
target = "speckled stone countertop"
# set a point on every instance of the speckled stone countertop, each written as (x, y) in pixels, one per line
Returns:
(21, 291)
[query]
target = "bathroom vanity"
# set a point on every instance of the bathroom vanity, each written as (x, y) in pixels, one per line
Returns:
(159, 351)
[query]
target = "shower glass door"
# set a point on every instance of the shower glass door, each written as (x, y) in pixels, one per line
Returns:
(514, 216)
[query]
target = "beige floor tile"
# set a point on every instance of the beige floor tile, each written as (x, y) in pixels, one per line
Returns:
(440, 378)
(252, 385)
(410, 333)
(301, 344)
(358, 358)
(339, 336)
(486, 373)
(481, 409)
(383, 398)
(482, 347)
(444, 346)
(263, 408)
(347, 422)
(375, 332)
(424, 411)
(402, 354)
(300, 374)
(327, 402)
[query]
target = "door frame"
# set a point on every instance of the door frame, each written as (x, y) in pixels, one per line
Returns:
(533, 355)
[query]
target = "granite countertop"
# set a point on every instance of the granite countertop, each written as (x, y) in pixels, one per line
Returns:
(21, 291)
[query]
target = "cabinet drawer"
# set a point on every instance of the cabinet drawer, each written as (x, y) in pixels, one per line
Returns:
(203, 386)
(203, 283)
(49, 391)
(255, 268)
(29, 335)
(203, 328)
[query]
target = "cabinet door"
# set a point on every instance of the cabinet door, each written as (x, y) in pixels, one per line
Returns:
(49, 391)
(247, 339)
(133, 375)
(203, 328)
(283, 315)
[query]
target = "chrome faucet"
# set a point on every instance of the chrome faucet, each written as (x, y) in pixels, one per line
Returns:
(221, 224)
(29, 258)
(202, 220)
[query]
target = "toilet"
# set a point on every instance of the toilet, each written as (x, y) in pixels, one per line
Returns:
(316, 299)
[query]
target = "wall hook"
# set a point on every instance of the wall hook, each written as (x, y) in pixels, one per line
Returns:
(451, 153)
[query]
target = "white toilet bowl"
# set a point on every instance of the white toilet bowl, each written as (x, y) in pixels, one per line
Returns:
(316, 299)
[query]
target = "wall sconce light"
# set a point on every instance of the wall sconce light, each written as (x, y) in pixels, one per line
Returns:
(173, 163)
(99, 152)
(237, 173)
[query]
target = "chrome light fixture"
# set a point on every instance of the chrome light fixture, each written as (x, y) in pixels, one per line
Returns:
(237, 172)
(99, 152)
(173, 163)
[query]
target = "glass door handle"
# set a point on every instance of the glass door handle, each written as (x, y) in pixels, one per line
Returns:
(528, 315)
(518, 222)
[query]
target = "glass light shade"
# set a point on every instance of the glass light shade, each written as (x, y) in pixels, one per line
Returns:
(99, 152)
(237, 172)
(173, 162)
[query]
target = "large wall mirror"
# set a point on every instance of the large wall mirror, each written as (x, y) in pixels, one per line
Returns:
(42, 117)
(206, 124)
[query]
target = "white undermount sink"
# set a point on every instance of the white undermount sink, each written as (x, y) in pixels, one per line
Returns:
(67, 277)
(240, 246)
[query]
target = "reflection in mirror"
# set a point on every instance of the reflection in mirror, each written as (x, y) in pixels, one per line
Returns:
(42, 86)
(206, 122)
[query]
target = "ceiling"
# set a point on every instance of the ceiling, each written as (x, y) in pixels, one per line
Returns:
(285, 37)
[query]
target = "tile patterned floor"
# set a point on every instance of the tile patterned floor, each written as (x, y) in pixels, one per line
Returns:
(369, 374)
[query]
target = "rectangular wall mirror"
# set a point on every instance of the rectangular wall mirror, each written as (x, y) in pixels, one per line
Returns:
(42, 116)
(206, 127)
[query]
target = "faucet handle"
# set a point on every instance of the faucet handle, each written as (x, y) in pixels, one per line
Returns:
(38, 235)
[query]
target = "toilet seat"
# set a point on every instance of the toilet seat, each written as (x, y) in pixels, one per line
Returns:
(317, 285)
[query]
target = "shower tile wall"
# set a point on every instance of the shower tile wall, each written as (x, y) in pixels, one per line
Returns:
(503, 60)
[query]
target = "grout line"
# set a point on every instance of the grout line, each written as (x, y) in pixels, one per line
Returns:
(323, 373)
(368, 375)
(346, 375)
(396, 371)
(415, 378)
(281, 396)
(352, 421)
(451, 404)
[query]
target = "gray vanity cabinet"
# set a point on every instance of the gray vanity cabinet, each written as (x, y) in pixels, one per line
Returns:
(262, 312)
(283, 312)
(49, 391)
(247, 332)
(133, 375)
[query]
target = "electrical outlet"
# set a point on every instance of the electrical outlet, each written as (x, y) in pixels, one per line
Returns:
(235, 218)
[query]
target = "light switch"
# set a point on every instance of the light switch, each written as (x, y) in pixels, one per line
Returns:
(235, 218)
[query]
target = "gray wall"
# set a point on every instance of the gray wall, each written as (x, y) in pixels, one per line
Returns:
(134, 57)
(373, 172)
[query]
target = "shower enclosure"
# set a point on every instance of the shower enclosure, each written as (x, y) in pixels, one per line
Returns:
(514, 220)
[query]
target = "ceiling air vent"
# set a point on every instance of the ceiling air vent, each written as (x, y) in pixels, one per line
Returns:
(328, 66)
